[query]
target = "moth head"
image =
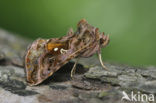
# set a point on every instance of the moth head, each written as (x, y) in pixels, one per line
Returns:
(104, 40)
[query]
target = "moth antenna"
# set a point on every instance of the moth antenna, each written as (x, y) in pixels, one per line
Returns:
(101, 62)
(74, 68)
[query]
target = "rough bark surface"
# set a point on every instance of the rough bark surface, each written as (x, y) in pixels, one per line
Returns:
(91, 84)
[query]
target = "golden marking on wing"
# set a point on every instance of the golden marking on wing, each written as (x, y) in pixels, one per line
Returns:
(51, 46)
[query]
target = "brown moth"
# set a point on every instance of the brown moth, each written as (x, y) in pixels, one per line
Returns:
(46, 56)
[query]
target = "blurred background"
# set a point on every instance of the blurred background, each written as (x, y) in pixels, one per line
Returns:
(130, 23)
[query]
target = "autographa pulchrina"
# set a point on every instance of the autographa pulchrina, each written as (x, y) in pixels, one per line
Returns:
(46, 56)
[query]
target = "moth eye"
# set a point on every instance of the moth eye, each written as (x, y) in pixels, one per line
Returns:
(55, 49)
(63, 51)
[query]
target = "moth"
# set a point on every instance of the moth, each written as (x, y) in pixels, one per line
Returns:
(45, 56)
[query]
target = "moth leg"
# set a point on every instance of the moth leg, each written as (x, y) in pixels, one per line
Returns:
(73, 69)
(101, 62)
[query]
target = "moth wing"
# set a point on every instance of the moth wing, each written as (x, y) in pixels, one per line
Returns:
(31, 60)
(41, 62)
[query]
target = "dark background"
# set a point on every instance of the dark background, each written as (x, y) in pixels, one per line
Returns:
(130, 23)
